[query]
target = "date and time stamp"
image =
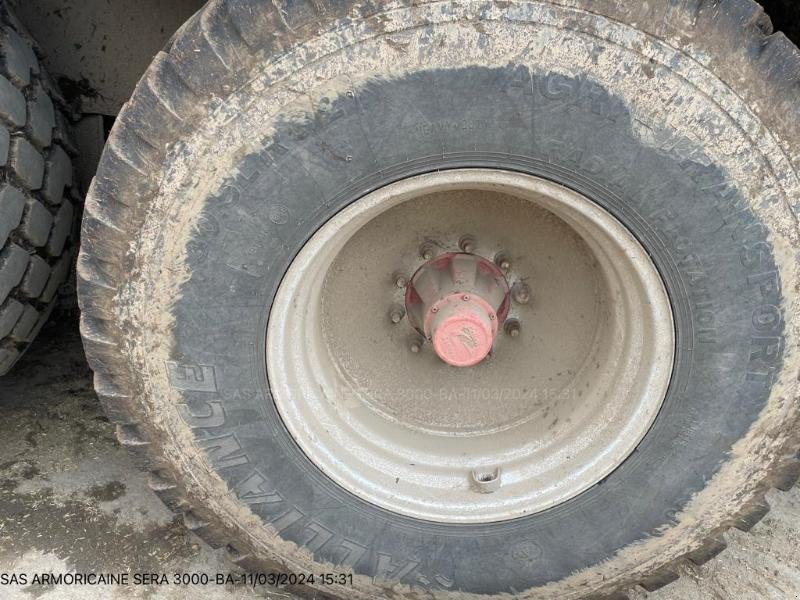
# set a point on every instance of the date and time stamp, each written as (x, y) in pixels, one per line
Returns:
(175, 579)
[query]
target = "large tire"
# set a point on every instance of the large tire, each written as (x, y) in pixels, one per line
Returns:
(260, 120)
(37, 202)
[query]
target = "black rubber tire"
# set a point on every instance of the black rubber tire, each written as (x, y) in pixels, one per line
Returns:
(38, 205)
(223, 163)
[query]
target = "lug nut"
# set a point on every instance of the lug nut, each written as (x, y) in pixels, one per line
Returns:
(467, 244)
(396, 314)
(502, 261)
(521, 292)
(414, 347)
(400, 280)
(426, 251)
(512, 327)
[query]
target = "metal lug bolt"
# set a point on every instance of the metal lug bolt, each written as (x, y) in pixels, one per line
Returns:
(521, 292)
(414, 347)
(396, 314)
(512, 327)
(426, 251)
(467, 244)
(400, 280)
(502, 261)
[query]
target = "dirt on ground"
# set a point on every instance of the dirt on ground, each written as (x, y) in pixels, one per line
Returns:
(71, 502)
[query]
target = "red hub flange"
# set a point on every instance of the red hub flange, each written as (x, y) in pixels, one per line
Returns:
(457, 301)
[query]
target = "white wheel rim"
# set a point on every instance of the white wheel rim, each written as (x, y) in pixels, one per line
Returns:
(380, 447)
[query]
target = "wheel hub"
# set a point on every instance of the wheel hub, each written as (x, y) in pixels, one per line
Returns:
(456, 301)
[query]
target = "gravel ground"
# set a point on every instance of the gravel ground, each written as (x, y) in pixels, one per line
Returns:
(72, 501)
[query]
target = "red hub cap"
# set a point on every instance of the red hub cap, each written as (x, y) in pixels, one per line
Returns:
(456, 301)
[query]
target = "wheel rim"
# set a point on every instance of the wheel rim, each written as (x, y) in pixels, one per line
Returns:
(576, 376)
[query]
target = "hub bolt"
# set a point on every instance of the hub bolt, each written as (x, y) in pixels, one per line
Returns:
(426, 251)
(400, 280)
(414, 347)
(501, 260)
(521, 292)
(458, 301)
(512, 327)
(467, 244)
(397, 314)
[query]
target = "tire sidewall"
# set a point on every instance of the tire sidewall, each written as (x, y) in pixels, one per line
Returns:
(224, 258)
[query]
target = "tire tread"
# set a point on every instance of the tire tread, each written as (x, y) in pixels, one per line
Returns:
(35, 177)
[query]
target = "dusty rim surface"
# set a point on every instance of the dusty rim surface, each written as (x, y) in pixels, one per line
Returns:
(134, 373)
(409, 433)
